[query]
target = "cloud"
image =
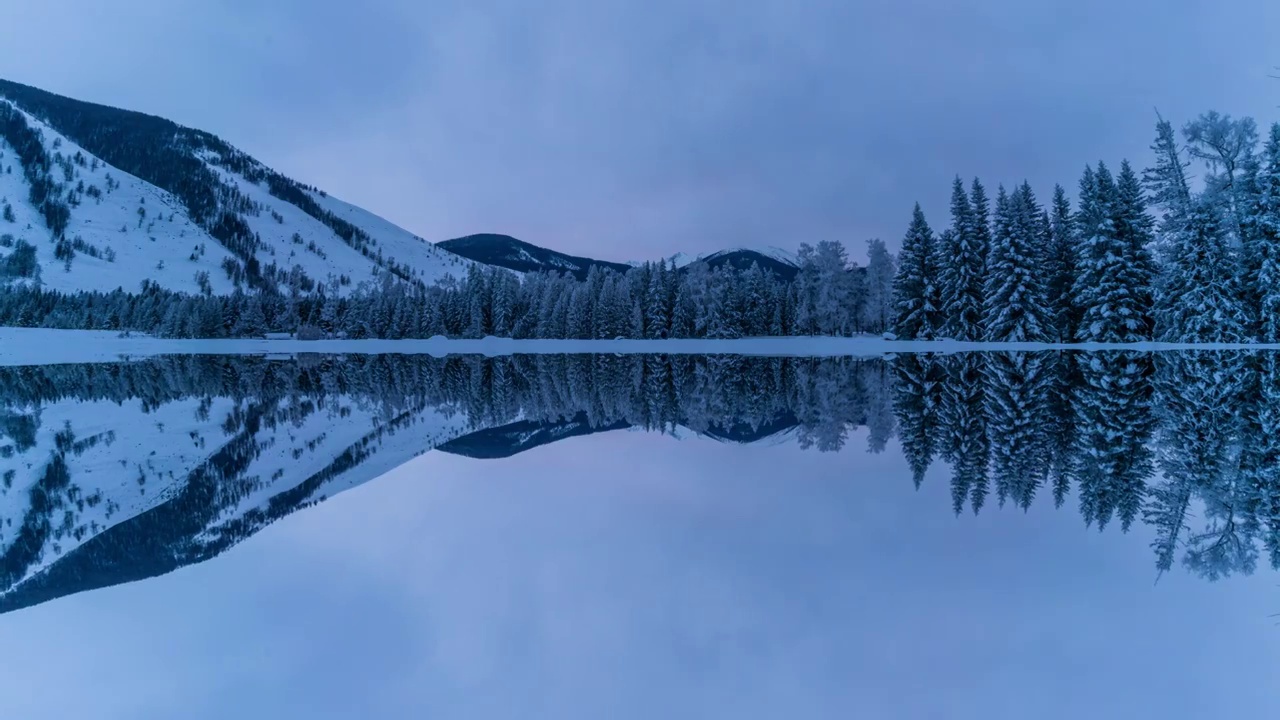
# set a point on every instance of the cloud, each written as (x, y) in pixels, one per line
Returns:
(629, 130)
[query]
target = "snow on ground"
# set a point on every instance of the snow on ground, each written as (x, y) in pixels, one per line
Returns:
(157, 245)
(36, 346)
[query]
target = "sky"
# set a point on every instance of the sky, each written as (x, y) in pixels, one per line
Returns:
(634, 130)
(631, 575)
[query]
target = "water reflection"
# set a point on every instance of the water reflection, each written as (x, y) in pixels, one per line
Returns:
(117, 472)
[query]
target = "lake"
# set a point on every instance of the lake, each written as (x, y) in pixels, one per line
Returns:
(1055, 534)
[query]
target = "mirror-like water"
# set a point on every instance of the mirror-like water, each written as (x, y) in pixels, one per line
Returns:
(583, 535)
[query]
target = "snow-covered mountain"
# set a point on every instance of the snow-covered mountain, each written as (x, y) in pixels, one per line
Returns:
(520, 256)
(513, 254)
(98, 198)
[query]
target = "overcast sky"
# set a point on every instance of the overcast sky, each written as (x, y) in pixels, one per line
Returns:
(631, 130)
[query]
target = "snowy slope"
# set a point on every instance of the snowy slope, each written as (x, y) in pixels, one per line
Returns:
(125, 230)
(158, 245)
(433, 263)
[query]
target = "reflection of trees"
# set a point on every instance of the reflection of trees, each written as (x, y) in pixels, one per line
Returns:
(1113, 431)
(1103, 424)
(1203, 457)
(1188, 442)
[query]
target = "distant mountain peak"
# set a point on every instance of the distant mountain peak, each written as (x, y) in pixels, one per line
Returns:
(520, 256)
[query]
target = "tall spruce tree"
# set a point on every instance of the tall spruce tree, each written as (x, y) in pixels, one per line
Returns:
(1111, 310)
(1013, 302)
(980, 208)
(961, 273)
(1133, 227)
(915, 288)
(1060, 270)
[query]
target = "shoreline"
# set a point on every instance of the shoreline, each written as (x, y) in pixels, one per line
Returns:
(45, 346)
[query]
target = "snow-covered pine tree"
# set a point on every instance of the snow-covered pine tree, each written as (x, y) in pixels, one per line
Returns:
(1133, 226)
(658, 300)
(878, 312)
(807, 285)
(1112, 304)
(960, 273)
(980, 207)
(1198, 301)
(915, 287)
(1013, 297)
(1265, 242)
(1060, 270)
(1167, 181)
(833, 301)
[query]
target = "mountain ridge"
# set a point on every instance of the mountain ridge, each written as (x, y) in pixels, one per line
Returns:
(99, 198)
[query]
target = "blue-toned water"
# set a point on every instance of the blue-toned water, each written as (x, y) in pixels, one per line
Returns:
(1053, 535)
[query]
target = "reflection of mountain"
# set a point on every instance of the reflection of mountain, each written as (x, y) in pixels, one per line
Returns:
(514, 438)
(114, 473)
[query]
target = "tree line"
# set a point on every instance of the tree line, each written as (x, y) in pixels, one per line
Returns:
(1207, 269)
(828, 296)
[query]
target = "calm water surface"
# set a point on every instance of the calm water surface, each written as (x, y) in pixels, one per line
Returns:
(1050, 535)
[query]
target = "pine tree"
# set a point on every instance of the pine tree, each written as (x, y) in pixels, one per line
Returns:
(1264, 246)
(1115, 268)
(981, 213)
(915, 288)
(1198, 302)
(878, 312)
(1013, 302)
(961, 271)
(1167, 180)
(1060, 271)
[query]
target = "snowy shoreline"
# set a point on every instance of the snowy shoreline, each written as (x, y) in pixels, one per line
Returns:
(42, 346)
